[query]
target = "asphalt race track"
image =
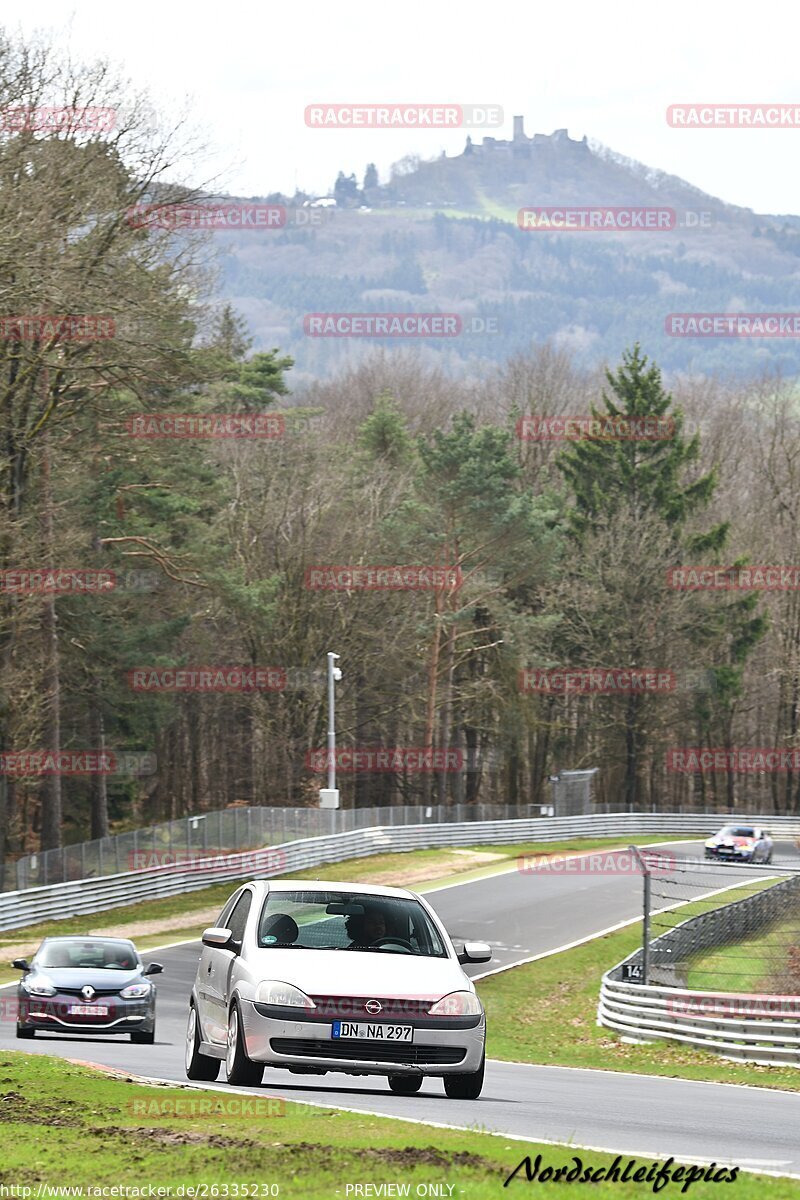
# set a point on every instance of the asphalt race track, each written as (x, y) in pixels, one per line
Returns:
(520, 915)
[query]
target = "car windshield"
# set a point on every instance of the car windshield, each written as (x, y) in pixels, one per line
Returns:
(82, 952)
(738, 831)
(347, 921)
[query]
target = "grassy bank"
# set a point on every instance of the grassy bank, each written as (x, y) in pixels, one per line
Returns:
(545, 1012)
(755, 964)
(65, 1125)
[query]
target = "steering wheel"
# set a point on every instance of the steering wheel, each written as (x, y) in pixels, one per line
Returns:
(396, 941)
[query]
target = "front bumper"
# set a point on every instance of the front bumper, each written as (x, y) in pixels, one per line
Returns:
(438, 1047)
(53, 1012)
(721, 855)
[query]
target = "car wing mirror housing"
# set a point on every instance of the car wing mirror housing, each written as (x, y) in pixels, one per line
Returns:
(216, 937)
(153, 969)
(475, 952)
(21, 964)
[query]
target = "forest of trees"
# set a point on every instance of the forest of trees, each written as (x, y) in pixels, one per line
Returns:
(562, 550)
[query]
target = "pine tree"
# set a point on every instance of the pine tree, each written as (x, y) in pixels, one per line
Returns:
(638, 506)
(606, 473)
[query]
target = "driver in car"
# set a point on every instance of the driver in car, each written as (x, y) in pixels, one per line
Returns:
(367, 929)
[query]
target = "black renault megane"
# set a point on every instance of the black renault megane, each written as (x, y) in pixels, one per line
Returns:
(87, 985)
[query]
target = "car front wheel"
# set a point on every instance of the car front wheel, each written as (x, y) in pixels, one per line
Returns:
(143, 1038)
(465, 1087)
(240, 1069)
(22, 1032)
(405, 1085)
(198, 1066)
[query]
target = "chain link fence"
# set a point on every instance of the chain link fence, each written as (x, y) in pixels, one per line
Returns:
(712, 926)
(205, 835)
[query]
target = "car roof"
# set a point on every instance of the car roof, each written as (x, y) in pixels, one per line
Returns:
(85, 937)
(328, 885)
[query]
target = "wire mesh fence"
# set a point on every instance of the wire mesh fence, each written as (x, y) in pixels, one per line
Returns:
(205, 835)
(720, 926)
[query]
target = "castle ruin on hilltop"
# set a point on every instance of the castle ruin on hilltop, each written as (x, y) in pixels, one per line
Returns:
(520, 143)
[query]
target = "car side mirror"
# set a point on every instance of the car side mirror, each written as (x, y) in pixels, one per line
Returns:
(475, 952)
(21, 964)
(153, 969)
(216, 937)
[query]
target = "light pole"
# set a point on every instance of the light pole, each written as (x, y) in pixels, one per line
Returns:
(329, 796)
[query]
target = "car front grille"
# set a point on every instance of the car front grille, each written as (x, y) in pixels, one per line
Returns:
(392, 1008)
(76, 991)
(364, 1051)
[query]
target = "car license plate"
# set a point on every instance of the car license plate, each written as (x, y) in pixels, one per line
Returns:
(372, 1033)
(88, 1010)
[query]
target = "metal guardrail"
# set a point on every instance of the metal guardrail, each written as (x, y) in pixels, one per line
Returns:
(649, 1013)
(746, 1027)
(63, 900)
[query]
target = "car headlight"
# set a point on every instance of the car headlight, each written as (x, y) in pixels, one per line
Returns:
(286, 995)
(38, 985)
(135, 991)
(456, 1004)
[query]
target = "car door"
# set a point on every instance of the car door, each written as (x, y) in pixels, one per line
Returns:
(207, 1009)
(221, 964)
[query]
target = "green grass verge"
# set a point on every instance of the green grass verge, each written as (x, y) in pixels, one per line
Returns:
(755, 964)
(545, 1012)
(67, 1126)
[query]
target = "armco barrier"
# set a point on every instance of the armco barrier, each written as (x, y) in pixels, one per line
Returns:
(751, 1028)
(651, 1013)
(63, 900)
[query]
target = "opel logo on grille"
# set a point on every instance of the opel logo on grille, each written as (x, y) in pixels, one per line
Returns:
(87, 992)
(373, 1007)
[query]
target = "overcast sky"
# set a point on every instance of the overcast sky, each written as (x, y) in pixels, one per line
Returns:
(609, 71)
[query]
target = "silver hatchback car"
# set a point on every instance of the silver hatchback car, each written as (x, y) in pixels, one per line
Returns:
(318, 977)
